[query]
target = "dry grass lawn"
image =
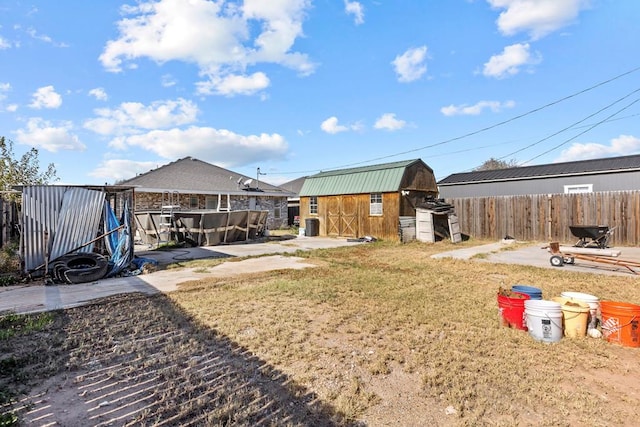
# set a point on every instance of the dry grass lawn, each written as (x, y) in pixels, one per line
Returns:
(376, 334)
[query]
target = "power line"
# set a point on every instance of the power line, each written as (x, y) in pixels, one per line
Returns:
(485, 129)
(573, 125)
(585, 131)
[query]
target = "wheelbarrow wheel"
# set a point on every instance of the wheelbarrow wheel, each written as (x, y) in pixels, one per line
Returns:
(557, 261)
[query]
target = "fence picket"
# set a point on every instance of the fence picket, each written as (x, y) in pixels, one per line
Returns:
(542, 217)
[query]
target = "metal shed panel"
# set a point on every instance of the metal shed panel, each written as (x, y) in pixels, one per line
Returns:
(622, 181)
(377, 181)
(40, 207)
(78, 221)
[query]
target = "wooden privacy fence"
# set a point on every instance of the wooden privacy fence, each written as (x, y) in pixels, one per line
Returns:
(547, 218)
(8, 221)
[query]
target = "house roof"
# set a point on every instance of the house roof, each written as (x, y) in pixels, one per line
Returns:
(582, 167)
(382, 178)
(190, 175)
(294, 186)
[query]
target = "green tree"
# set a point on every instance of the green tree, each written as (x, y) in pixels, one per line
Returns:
(22, 171)
(493, 164)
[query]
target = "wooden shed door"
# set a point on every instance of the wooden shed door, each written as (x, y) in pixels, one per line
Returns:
(333, 216)
(349, 217)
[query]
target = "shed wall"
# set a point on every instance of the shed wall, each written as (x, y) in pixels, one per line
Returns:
(348, 216)
(419, 178)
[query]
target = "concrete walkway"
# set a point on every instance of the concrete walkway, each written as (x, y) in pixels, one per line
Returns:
(38, 298)
(537, 255)
(267, 256)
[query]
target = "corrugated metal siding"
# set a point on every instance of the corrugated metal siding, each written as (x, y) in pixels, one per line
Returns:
(78, 221)
(40, 207)
(625, 181)
(57, 220)
(375, 181)
(580, 167)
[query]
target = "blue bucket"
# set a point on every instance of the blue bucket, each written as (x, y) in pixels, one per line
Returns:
(533, 292)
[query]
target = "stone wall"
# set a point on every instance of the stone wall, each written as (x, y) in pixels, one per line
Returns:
(154, 201)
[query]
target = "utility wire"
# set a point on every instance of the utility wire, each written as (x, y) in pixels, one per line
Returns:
(583, 132)
(480, 147)
(476, 132)
(573, 125)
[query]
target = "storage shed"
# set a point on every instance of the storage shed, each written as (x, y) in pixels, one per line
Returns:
(583, 176)
(365, 201)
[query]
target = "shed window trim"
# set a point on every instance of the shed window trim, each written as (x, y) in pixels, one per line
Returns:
(578, 188)
(313, 205)
(375, 205)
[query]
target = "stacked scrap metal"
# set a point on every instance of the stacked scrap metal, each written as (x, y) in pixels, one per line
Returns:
(436, 205)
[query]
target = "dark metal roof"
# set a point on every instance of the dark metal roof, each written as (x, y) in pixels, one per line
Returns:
(382, 178)
(582, 167)
(190, 175)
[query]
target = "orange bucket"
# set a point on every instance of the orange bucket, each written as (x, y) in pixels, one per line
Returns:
(621, 322)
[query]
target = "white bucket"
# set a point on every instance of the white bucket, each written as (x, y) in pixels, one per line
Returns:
(544, 320)
(591, 300)
(301, 231)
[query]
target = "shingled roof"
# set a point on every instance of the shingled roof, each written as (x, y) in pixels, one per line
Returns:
(294, 186)
(190, 175)
(582, 167)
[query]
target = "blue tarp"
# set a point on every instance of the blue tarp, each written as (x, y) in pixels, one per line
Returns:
(119, 242)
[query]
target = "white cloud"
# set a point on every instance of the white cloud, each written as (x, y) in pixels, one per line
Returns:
(477, 108)
(132, 117)
(219, 38)
(118, 169)
(620, 146)
(219, 146)
(4, 44)
(510, 61)
(388, 121)
(99, 93)
(536, 17)
(356, 9)
(168, 80)
(231, 85)
(41, 133)
(46, 97)
(331, 126)
(4, 87)
(42, 37)
(410, 65)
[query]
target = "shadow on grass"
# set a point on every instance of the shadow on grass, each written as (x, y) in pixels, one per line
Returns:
(141, 360)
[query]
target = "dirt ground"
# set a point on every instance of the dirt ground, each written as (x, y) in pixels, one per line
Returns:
(170, 370)
(184, 375)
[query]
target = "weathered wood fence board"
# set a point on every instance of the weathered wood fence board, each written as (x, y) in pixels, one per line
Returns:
(545, 217)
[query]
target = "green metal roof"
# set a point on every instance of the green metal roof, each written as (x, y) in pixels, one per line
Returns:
(383, 178)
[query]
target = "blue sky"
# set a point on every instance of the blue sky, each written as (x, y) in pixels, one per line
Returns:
(109, 89)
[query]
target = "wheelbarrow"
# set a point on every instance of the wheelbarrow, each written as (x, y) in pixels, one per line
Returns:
(592, 236)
